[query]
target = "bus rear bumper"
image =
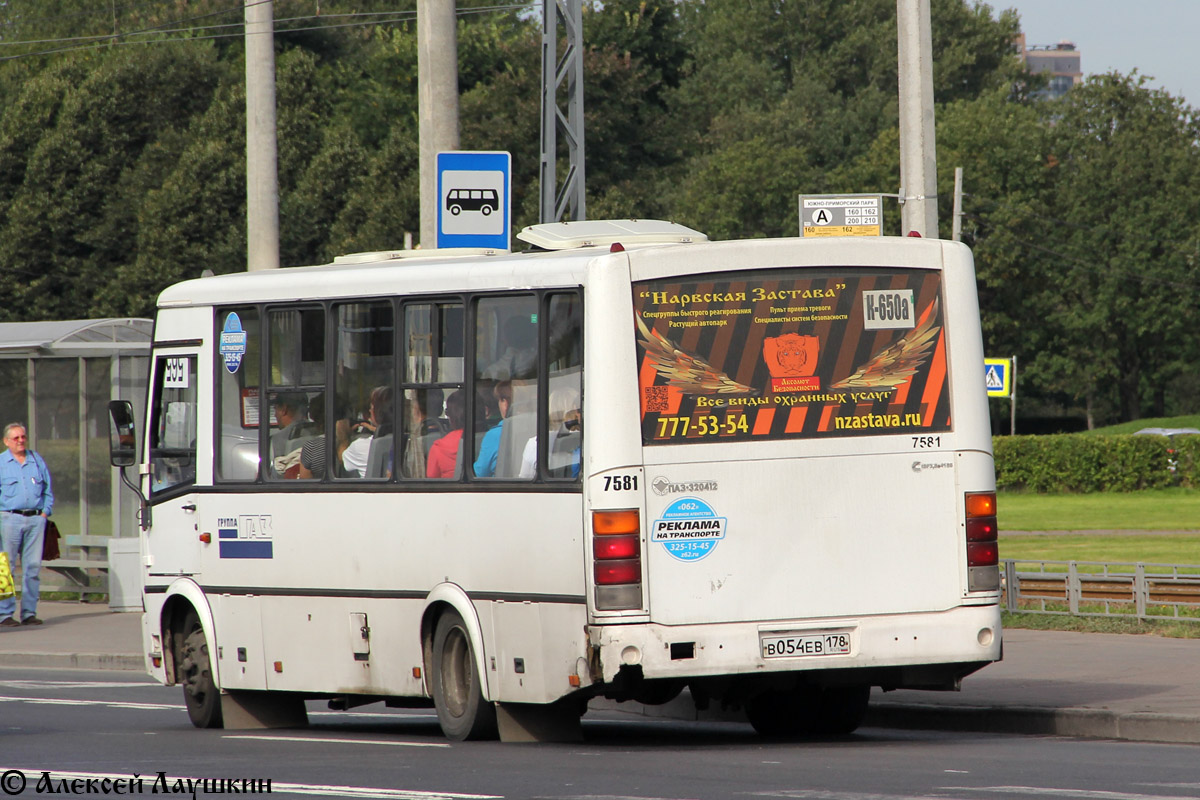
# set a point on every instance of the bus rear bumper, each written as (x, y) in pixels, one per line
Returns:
(929, 650)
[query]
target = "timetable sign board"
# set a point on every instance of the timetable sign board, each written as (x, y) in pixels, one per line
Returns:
(841, 215)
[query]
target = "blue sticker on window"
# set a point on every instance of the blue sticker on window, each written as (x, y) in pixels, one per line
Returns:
(688, 529)
(233, 342)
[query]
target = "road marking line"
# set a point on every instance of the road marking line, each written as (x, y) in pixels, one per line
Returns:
(1046, 791)
(36, 684)
(825, 794)
(62, 701)
(331, 740)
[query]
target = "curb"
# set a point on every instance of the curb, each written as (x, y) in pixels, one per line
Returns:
(1085, 723)
(100, 661)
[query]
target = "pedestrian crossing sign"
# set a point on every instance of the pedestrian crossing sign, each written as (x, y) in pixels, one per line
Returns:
(997, 376)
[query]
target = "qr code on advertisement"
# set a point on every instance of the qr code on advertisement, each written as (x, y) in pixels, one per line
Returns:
(656, 398)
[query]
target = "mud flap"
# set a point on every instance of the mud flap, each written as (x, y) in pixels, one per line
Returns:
(534, 722)
(244, 710)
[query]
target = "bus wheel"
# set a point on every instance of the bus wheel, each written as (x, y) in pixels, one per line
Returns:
(456, 209)
(841, 709)
(486, 210)
(781, 713)
(462, 712)
(200, 691)
(809, 711)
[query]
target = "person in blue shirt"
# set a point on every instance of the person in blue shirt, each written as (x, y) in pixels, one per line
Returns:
(489, 449)
(26, 501)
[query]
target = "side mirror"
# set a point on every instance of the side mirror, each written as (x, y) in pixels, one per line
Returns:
(122, 443)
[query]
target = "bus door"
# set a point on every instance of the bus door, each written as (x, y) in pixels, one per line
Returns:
(173, 540)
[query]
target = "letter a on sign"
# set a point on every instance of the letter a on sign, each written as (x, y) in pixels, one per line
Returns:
(821, 217)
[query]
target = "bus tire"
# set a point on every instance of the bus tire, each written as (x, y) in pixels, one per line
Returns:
(200, 692)
(841, 709)
(778, 714)
(809, 711)
(456, 209)
(486, 210)
(462, 712)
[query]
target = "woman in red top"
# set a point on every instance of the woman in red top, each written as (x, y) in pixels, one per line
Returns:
(445, 455)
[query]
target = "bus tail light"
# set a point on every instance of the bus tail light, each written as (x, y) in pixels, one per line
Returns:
(983, 552)
(617, 557)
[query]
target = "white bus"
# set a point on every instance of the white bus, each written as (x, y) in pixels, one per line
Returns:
(626, 463)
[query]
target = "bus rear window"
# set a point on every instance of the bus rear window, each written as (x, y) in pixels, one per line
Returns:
(791, 353)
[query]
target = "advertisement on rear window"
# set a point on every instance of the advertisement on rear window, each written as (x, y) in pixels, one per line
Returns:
(791, 353)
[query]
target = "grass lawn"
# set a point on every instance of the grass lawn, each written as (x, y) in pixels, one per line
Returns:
(1149, 548)
(1186, 421)
(1157, 510)
(1172, 517)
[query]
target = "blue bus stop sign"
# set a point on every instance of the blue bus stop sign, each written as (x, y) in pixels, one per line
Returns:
(474, 191)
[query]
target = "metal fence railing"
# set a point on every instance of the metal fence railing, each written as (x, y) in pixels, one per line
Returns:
(1103, 589)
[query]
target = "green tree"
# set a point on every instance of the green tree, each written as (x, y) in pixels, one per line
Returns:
(70, 219)
(781, 97)
(1126, 194)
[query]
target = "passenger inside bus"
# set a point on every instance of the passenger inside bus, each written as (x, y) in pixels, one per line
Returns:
(294, 430)
(489, 448)
(445, 455)
(314, 453)
(519, 425)
(425, 426)
(563, 450)
(372, 435)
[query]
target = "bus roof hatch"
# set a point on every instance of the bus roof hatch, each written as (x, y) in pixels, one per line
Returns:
(603, 232)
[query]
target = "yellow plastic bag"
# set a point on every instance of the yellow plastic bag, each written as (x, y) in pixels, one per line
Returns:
(6, 581)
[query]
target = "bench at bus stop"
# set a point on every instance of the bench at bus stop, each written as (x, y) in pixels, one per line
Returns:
(83, 558)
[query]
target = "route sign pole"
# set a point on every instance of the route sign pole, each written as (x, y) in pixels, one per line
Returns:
(1012, 400)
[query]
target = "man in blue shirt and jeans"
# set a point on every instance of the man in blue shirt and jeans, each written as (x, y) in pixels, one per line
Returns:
(26, 500)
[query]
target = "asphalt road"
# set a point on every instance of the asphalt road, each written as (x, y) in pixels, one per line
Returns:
(79, 725)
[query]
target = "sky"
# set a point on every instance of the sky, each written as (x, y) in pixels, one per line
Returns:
(1160, 38)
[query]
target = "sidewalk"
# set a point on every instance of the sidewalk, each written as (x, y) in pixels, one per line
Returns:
(1140, 688)
(75, 636)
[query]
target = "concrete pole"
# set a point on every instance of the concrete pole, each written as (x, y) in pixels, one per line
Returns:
(262, 173)
(918, 155)
(437, 101)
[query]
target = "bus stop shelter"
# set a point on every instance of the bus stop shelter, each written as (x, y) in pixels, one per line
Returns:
(57, 378)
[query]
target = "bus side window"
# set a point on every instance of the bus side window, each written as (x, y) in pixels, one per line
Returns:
(431, 423)
(506, 357)
(563, 432)
(296, 380)
(363, 380)
(173, 434)
(237, 393)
